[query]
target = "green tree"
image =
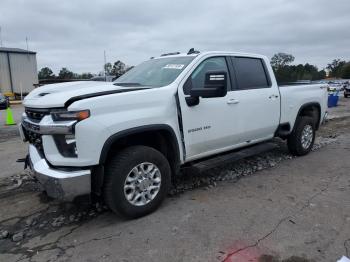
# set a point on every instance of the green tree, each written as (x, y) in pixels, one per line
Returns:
(293, 73)
(285, 72)
(46, 73)
(321, 75)
(345, 72)
(335, 68)
(118, 68)
(65, 74)
(310, 72)
(108, 68)
(86, 76)
(281, 60)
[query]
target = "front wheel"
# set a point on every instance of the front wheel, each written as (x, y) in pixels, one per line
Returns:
(302, 138)
(136, 181)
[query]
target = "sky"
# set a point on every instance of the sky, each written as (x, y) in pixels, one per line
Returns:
(75, 34)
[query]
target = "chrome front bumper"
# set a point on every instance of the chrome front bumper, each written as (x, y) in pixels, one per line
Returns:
(60, 184)
(47, 126)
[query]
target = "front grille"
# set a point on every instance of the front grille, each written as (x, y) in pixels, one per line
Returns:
(34, 139)
(36, 114)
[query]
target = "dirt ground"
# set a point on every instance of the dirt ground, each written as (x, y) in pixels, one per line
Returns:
(270, 207)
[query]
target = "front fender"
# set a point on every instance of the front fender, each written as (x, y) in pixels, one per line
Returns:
(138, 130)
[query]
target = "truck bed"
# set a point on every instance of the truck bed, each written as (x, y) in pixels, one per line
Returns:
(294, 96)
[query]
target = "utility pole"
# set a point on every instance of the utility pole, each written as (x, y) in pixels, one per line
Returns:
(27, 47)
(0, 37)
(27, 43)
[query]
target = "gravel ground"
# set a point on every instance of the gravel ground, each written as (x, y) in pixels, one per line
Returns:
(244, 167)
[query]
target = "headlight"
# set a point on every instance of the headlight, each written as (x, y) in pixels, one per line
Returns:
(65, 142)
(70, 115)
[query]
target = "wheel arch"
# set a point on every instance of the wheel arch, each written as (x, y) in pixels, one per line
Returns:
(159, 136)
(312, 109)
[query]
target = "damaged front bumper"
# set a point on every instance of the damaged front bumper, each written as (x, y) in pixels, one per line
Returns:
(63, 184)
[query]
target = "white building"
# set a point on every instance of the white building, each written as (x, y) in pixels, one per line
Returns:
(18, 70)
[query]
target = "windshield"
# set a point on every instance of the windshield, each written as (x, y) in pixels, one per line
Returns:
(155, 72)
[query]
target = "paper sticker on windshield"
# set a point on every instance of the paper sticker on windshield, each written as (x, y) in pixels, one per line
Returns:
(174, 66)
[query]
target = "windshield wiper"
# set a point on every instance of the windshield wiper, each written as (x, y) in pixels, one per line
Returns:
(127, 84)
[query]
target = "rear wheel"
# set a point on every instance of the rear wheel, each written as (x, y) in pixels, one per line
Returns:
(302, 138)
(137, 181)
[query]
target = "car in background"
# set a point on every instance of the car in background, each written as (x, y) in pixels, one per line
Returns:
(335, 86)
(4, 101)
(103, 78)
(347, 89)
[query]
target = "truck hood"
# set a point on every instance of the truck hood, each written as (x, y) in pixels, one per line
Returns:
(57, 95)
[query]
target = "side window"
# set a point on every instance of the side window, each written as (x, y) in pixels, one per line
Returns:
(250, 73)
(197, 78)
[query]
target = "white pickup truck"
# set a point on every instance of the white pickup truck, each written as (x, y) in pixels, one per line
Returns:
(125, 140)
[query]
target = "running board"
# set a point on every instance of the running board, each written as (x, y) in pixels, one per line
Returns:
(205, 165)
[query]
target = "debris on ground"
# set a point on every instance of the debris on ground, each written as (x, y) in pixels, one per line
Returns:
(4, 234)
(18, 237)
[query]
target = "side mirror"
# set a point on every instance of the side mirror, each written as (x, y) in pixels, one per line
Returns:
(215, 85)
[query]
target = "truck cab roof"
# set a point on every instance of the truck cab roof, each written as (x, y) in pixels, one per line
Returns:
(208, 53)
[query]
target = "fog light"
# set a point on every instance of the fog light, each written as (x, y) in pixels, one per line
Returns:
(70, 139)
(66, 145)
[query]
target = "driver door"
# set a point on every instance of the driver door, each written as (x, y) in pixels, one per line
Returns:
(207, 128)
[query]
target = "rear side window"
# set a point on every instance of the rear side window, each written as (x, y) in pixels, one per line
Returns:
(250, 73)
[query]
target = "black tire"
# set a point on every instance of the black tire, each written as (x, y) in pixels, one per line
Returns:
(118, 169)
(294, 142)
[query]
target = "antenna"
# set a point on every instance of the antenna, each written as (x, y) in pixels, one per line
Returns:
(192, 51)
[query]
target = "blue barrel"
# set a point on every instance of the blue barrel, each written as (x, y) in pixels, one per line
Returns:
(333, 100)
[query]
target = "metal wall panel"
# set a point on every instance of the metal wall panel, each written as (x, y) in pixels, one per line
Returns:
(5, 83)
(24, 72)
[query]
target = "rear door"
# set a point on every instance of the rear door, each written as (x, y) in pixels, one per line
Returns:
(256, 112)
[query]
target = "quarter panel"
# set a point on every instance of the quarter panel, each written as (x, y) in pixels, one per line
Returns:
(294, 97)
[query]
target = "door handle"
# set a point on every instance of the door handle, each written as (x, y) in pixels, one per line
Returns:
(232, 101)
(273, 96)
